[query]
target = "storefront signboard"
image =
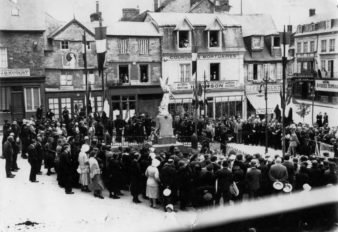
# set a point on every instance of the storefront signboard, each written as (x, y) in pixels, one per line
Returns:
(255, 89)
(327, 86)
(19, 72)
(210, 85)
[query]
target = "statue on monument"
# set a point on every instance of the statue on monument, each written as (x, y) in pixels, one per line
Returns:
(164, 119)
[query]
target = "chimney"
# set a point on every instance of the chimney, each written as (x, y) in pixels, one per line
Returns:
(129, 13)
(156, 5)
(289, 28)
(312, 12)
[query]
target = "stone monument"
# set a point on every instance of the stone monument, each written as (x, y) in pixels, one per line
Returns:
(164, 120)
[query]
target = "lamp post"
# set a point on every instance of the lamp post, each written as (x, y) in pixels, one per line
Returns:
(265, 84)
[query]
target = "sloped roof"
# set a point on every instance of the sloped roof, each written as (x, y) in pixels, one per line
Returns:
(125, 28)
(31, 15)
(89, 27)
(252, 24)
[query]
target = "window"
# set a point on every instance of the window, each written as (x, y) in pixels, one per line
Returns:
(15, 12)
(123, 46)
(32, 98)
(330, 67)
(143, 46)
(299, 47)
(125, 106)
(99, 104)
(66, 79)
(124, 73)
(3, 58)
(185, 72)
(144, 77)
(305, 46)
(279, 71)
(77, 105)
(214, 72)
(65, 102)
(272, 73)
(214, 39)
(257, 43)
(332, 45)
(53, 105)
(64, 45)
(250, 72)
(184, 39)
(5, 99)
(276, 41)
(323, 65)
(312, 46)
(323, 46)
(255, 72)
(91, 77)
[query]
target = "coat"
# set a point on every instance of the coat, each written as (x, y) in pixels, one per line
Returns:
(8, 150)
(224, 178)
(253, 178)
(115, 176)
(278, 172)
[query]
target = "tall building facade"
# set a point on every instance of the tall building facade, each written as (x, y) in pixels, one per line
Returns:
(22, 74)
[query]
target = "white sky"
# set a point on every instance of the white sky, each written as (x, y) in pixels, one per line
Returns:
(282, 11)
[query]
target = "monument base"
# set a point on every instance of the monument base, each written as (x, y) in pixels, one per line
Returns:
(165, 147)
(166, 140)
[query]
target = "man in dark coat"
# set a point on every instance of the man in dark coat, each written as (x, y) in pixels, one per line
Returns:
(253, 179)
(8, 154)
(39, 113)
(114, 173)
(135, 178)
(33, 159)
(224, 179)
(119, 125)
(65, 169)
(290, 168)
(168, 177)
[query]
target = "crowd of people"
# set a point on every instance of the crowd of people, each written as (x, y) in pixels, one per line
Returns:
(80, 152)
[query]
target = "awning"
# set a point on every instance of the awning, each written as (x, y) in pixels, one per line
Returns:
(258, 102)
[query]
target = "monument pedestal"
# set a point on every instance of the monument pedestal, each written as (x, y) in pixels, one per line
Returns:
(166, 140)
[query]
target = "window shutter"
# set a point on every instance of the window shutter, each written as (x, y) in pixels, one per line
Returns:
(250, 72)
(259, 72)
(279, 71)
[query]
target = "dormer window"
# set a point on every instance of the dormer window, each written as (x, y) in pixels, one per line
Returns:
(257, 43)
(184, 39)
(276, 41)
(214, 39)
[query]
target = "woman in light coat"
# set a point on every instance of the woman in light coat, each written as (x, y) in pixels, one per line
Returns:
(153, 179)
(83, 168)
(95, 175)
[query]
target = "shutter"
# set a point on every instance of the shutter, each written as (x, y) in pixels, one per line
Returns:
(250, 72)
(279, 71)
(259, 72)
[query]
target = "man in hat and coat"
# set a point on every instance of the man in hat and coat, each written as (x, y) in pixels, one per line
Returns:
(33, 159)
(224, 178)
(8, 154)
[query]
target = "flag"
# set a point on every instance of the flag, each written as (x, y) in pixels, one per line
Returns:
(84, 41)
(101, 46)
(106, 107)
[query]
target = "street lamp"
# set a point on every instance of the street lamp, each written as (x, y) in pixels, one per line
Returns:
(265, 84)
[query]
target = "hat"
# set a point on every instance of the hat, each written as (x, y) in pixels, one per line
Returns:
(232, 157)
(86, 137)
(306, 187)
(152, 155)
(207, 196)
(287, 188)
(166, 192)
(85, 148)
(277, 185)
(151, 149)
(170, 206)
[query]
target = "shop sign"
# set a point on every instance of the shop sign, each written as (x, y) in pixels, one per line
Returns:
(18, 72)
(171, 57)
(210, 85)
(255, 88)
(327, 86)
(217, 56)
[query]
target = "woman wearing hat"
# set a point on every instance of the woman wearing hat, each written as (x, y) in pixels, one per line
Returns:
(83, 168)
(95, 175)
(152, 188)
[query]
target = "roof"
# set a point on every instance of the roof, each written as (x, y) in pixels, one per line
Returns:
(328, 15)
(124, 28)
(31, 15)
(89, 27)
(252, 24)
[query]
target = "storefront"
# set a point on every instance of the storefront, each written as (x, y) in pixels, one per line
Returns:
(255, 95)
(327, 91)
(128, 101)
(20, 94)
(223, 98)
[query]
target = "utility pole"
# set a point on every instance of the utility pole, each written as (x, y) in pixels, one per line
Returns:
(266, 112)
(204, 95)
(283, 93)
(86, 70)
(102, 75)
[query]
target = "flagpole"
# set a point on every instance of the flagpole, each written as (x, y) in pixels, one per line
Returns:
(86, 70)
(283, 100)
(204, 98)
(102, 75)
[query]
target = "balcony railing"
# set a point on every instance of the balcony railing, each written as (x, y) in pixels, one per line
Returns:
(130, 82)
(308, 74)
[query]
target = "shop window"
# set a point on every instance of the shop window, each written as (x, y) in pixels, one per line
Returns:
(5, 99)
(184, 39)
(323, 46)
(143, 46)
(124, 73)
(53, 105)
(214, 40)
(332, 45)
(144, 76)
(255, 72)
(66, 79)
(214, 72)
(185, 72)
(276, 41)
(77, 105)
(32, 98)
(64, 45)
(3, 58)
